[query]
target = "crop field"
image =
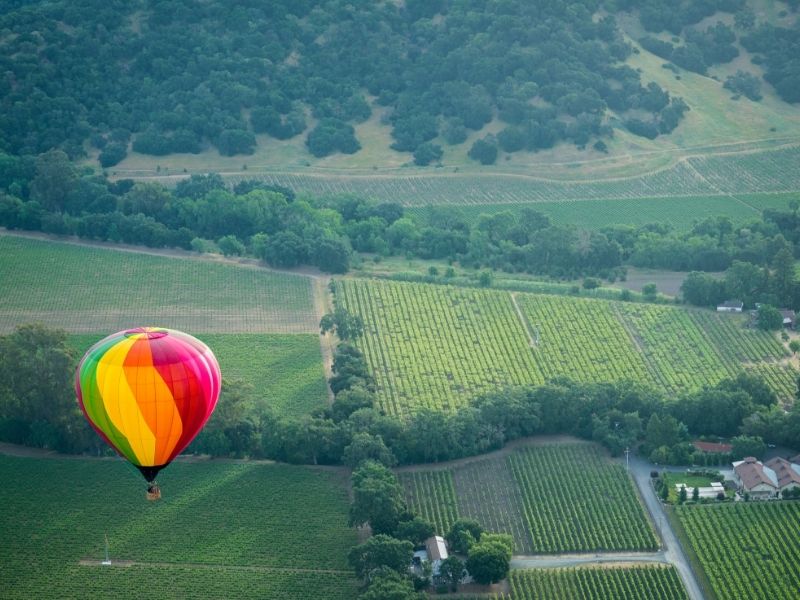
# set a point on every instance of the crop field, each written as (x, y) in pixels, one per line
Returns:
(85, 290)
(437, 346)
(747, 549)
(609, 583)
(680, 212)
(769, 171)
(222, 530)
(284, 371)
(553, 498)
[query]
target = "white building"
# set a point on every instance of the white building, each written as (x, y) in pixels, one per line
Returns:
(705, 492)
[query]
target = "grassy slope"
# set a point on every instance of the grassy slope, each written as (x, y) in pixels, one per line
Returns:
(222, 530)
(90, 289)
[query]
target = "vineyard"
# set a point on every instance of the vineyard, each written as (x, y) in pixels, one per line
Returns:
(221, 531)
(551, 499)
(747, 550)
(681, 213)
(85, 290)
(616, 583)
(437, 346)
(768, 171)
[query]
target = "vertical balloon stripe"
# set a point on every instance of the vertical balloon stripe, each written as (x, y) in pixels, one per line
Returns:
(169, 424)
(91, 403)
(120, 402)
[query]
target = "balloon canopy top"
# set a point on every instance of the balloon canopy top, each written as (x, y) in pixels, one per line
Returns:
(150, 333)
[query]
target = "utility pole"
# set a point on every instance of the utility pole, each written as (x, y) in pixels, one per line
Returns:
(627, 459)
(107, 560)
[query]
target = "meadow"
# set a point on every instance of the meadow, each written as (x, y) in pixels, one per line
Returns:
(281, 371)
(222, 529)
(88, 289)
(746, 549)
(550, 498)
(702, 175)
(437, 346)
(681, 213)
(604, 583)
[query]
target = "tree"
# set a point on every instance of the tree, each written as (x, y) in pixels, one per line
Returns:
(377, 498)
(484, 150)
(769, 318)
(54, 180)
(463, 534)
(649, 290)
(380, 551)
(451, 570)
(488, 562)
(416, 531)
(682, 495)
(345, 325)
(365, 446)
(744, 83)
(427, 153)
(782, 278)
(386, 584)
(236, 141)
(112, 154)
(747, 445)
(231, 246)
(286, 250)
(36, 384)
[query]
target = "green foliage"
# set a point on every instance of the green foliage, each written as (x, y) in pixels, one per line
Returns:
(380, 551)
(654, 582)
(346, 326)
(221, 530)
(484, 150)
(488, 562)
(377, 499)
(769, 318)
(747, 445)
(743, 547)
(463, 534)
(416, 531)
(744, 83)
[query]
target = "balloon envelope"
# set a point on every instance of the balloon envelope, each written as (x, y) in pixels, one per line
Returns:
(148, 392)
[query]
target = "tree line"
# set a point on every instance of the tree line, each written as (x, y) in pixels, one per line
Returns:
(37, 408)
(202, 213)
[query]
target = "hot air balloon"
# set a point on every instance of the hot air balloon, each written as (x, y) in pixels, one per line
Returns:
(148, 392)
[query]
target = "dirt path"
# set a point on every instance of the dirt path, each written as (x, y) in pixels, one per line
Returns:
(600, 559)
(532, 341)
(88, 562)
(323, 304)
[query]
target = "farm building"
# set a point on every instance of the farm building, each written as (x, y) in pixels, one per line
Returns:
(711, 491)
(789, 318)
(731, 306)
(788, 473)
(435, 552)
(712, 447)
(751, 476)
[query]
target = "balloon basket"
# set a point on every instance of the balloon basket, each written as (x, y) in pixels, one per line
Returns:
(153, 493)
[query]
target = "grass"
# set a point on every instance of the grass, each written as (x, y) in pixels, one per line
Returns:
(85, 290)
(680, 213)
(222, 530)
(438, 346)
(282, 371)
(746, 549)
(552, 498)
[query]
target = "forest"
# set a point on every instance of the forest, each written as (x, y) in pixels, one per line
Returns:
(183, 76)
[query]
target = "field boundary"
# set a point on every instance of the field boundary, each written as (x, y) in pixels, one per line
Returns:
(88, 562)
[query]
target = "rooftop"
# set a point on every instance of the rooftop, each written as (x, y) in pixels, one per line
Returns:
(753, 473)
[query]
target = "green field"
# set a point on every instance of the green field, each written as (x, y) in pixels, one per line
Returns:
(681, 213)
(586, 583)
(222, 530)
(552, 498)
(283, 371)
(85, 290)
(437, 346)
(747, 549)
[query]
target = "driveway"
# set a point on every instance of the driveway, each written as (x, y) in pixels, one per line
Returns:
(673, 552)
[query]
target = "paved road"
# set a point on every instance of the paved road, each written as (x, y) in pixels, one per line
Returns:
(673, 552)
